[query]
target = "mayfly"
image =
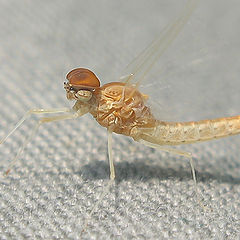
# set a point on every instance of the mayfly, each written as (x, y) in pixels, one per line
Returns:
(121, 108)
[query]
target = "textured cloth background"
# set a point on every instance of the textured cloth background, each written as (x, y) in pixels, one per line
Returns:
(52, 189)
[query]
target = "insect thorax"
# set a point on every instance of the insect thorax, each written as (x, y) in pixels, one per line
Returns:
(121, 108)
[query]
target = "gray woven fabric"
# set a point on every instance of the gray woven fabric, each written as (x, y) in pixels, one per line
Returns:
(52, 189)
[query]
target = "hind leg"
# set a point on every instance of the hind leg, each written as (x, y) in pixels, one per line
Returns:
(174, 151)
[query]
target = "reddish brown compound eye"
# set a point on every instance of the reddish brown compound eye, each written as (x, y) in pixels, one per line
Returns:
(82, 77)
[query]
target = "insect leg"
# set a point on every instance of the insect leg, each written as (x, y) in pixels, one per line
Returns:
(109, 184)
(34, 111)
(177, 152)
(110, 157)
(33, 132)
(187, 155)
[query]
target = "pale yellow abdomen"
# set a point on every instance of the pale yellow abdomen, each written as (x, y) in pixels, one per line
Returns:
(174, 133)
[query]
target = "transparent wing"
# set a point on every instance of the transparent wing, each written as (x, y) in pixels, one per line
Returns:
(195, 82)
(196, 78)
(142, 64)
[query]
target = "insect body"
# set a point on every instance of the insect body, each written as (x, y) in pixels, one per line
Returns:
(118, 107)
(122, 108)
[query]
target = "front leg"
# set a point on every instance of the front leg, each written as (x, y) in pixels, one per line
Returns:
(31, 112)
(71, 115)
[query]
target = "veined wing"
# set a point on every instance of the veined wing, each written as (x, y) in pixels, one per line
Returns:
(194, 79)
(195, 82)
(142, 64)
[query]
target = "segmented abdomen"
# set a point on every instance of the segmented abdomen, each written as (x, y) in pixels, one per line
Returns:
(174, 133)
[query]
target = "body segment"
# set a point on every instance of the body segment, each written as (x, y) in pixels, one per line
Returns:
(175, 133)
(122, 109)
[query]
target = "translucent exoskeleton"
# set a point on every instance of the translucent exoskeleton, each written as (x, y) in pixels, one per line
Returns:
(121, 107)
